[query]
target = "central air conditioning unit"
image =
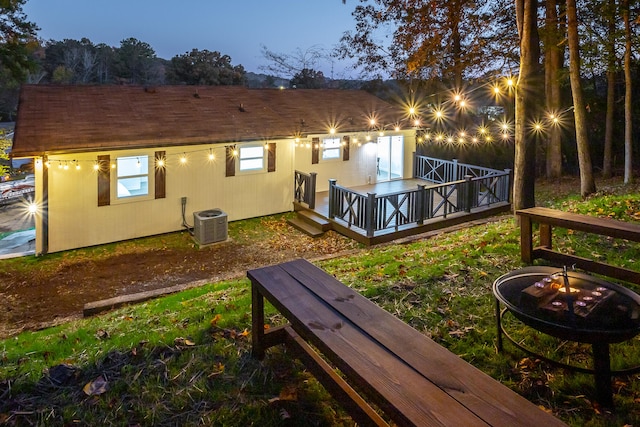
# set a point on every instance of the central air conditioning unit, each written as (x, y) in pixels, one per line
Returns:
(210, 226)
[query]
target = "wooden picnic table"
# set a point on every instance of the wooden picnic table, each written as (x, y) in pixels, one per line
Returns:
(399, 374)
(548, 218)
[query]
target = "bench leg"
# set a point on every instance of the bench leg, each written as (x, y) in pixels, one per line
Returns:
(545, 236)
(257, 323)
(526, 239)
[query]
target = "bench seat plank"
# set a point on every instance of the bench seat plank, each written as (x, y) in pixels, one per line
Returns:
(548, 218)
(381, 341)
(580, 222)
(408, 398)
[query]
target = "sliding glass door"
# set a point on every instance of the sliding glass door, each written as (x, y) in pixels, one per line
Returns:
(390, 158)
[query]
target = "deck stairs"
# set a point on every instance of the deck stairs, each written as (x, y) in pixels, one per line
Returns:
(310, 223)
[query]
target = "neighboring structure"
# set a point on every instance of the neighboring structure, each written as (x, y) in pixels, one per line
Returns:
(117, 162)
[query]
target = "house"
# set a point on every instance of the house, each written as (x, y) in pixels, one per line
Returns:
(113, 163)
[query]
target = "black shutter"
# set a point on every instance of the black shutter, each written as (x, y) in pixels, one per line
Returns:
(315, 150)
(231, 160)
(160, 174)
(104, 180)
(271, 157)
(345, 147)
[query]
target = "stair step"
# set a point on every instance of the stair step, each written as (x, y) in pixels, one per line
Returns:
(315, 219)
(306, 227)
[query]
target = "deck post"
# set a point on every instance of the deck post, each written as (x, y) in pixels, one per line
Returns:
(332, 198)
(414, 166)
(454, 170)
(310, 191)
(370, 213)
(506, 192)
(468, 193)
(420, 204)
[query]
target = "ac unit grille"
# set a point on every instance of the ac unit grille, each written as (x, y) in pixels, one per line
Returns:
(210, 226)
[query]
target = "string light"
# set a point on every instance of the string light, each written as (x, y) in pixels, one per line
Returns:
(442, 114)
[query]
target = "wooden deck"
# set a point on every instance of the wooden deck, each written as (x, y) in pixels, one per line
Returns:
(322, 210)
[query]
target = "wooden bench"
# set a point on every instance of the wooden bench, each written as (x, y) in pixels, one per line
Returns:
(549, 218)
(410, 378)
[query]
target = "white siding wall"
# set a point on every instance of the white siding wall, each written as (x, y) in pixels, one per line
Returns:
(76, 220)
(359, 169)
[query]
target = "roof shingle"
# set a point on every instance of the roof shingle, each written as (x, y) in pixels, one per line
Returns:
(61, 119)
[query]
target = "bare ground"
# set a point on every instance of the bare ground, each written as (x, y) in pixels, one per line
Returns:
(55, 288)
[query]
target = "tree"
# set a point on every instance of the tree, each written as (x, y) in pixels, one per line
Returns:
(444, 39)
(554, 53)
(628, 106)
(308, 79)
(78, 61)
(5, 144)
(135, 63)
(288, 65)
(70, 61)
(607, 158)
(17, 39)
(527, 85)
(202, 67)
(587, 183)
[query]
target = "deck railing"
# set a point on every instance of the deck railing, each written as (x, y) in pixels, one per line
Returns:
(304, 188)
(443, 171)
(371, 212)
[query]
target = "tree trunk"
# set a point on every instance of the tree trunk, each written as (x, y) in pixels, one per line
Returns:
(628, 108)
(607, 159)
(587, 183)
(553, 63)
(524, 161)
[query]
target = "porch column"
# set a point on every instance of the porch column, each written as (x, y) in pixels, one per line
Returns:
(420, 204)
(370, 214)
(332, 198)
(310, 192)
(468, 193)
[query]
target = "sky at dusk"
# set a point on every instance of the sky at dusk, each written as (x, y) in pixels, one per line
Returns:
(237, 28)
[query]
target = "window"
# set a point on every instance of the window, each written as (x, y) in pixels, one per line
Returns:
(331, 148)
(251, 158)
(132, 176)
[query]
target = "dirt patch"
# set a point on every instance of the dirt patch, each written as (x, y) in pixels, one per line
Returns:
(55, 292)
(49, 293)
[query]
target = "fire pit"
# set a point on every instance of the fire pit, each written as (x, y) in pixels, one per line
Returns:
(571, 306)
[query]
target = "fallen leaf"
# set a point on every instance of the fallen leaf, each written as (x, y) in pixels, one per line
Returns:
(101, 334)
(96, 387)
(215, 319)
(183, 341)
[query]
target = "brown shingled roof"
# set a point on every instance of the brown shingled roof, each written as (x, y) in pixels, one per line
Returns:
(60, 119)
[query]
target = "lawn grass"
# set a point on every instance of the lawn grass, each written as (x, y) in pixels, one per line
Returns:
(185, 359)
